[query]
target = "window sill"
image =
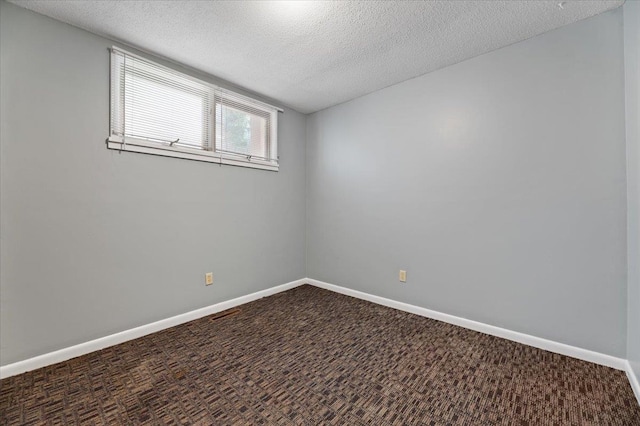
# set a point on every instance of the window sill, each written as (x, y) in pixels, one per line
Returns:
(146, 147)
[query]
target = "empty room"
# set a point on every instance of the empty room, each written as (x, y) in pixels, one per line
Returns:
(319, 212)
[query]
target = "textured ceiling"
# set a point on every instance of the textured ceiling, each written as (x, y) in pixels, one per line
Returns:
(312, 55)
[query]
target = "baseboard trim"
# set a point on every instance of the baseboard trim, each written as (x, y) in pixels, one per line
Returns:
(548, 345)
(633, 379)
(134, 333)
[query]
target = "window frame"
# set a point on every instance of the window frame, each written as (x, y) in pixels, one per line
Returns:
(142, 145)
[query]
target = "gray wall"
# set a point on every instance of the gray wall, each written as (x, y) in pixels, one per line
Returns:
(632, 73)
(94, 242)
(497, 183)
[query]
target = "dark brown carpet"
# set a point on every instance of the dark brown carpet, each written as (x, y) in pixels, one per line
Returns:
(310, 357)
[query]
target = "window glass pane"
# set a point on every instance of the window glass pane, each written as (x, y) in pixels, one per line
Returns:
(241, 132)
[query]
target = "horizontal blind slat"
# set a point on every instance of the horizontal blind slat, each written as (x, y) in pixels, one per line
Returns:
(159, 104)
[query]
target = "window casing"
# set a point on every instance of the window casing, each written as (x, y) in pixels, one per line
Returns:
(157, 110)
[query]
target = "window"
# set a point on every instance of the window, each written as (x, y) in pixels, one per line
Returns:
(156, 110)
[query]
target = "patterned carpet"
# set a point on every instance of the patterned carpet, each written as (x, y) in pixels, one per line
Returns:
(309, 357)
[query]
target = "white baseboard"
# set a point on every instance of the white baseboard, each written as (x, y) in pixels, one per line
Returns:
(134, 333)
(633, 379)
(123, 336)
(548, 345)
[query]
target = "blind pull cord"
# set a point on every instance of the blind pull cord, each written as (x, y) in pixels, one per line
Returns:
(176, 141)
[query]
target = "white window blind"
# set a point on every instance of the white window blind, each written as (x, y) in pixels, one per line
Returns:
(157, 110)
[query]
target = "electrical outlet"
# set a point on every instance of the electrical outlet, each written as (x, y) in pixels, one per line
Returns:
(208, 278)
(402, 276)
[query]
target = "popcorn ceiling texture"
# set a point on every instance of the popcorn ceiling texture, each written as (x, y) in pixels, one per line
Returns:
(313, 55)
